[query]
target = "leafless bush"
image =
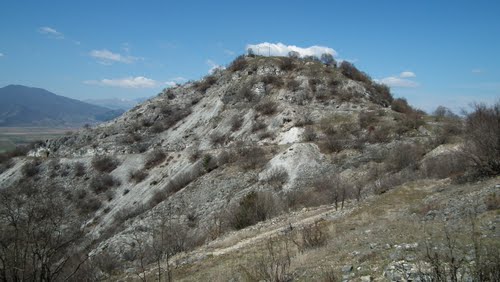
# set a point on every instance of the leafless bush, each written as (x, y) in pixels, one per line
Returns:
(332, 144)
(309, 134)
(6, 164)
(217, 138)
(273, 80)
(79, 169)
(102, 182)
(400, 105)
(266, 107)
(246, 93)
(333, 188)
(251, 157)
(238, 64)
(492, 201)
(137, 175)
(276, 177)
(287, 64)
(350, 71)
(274, 264)
(258, 125)
(154, 159)
(266, 134)
(447, 165)
(105, 163)
(88, 204)
(292, 85)
(172, 114)
(236, 122)
(31, 168)
(253, 208)
(312, 236)
(204, 84)
(482, 134)
(403, 156)
(367, 119)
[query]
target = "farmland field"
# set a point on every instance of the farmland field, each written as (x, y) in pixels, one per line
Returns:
(13, 136)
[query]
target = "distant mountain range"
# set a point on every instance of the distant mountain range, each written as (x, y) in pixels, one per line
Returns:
(115, 103)
(29, 106)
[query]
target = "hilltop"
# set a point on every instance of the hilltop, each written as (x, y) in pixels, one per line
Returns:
(274, 168)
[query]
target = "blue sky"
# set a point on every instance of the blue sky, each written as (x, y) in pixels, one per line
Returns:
(431, 52)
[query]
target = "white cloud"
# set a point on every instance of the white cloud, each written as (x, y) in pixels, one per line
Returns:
(176, 80)
(1, 54)
(393, 81)
(127, 82)
(213, 66)
(477, 71)
(400, 80)
(407, 74)
(107, 57)
(280, 49)
(229, 52)
(51, 32)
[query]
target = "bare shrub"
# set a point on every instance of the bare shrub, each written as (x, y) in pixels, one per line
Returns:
(350, 71)
(333, 188)
(206, 83)
(312, 236)
(79, 169)
(403, 156)
(258, 125)
(287, 64)
(276, 177)
(154, 159)
(6, 164)
(238, 64)
(292, 85)
(171, 114)
(236, 122)
(367, 119)
(266, 107)
(492, 201)
(209, 163)
(274, 264)
(400, 105)
(137, 175)
(309, 134)
(266, 134)
(253, 208)
(447, 165)
(217, 138)
(246, 93)
(31, 168)
(251, 157)
(105, 163)
(332, 144)
(482, 134)
(88, 204)
(102, 182)
(273, 80)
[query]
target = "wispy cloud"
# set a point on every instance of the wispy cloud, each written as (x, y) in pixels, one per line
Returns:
(175, 81)
(107, 57)
(402, 80)
(407, 74)
(1, 54)
(126, 82)
(213, 66)
(477, 71)
(50, 32)
(280, 49)
(229, 52)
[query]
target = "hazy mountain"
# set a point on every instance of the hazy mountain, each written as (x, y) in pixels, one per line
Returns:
(30, 106)
(116, 103)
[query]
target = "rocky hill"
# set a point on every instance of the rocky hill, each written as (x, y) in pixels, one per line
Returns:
(273, 169)
(30, 106)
